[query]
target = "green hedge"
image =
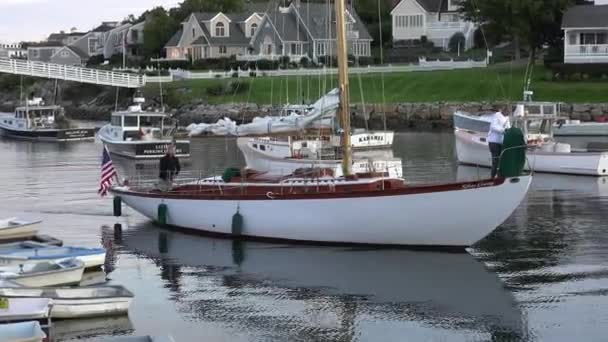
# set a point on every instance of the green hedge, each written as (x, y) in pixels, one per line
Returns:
(577, 72)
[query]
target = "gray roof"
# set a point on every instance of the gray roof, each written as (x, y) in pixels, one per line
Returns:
(78, 52)
(57, 36)
(104, 28)
(175, 39)
(287, 26)
(319, 20)
(586, 16)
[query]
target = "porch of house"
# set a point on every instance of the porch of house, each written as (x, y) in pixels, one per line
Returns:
(586, 46)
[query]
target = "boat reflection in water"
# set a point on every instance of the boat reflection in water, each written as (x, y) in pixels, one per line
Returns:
(72, 330)
(325, 293)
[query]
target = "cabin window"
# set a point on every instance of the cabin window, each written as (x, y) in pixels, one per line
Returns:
(263, 147)
(130, 121)
(255, 145)
(116, 121)
(150, 121)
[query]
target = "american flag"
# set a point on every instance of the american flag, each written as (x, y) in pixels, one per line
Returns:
(107, 172)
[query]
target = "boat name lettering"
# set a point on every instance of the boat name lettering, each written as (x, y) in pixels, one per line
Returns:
(477, 185)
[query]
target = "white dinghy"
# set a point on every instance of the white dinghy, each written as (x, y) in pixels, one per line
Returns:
(44, 273)
(14, 228)
(83, 302)
(22, 332)
(25, 309)
(91, 257)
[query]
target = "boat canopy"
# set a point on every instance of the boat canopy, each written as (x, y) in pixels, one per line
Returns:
(321, 115)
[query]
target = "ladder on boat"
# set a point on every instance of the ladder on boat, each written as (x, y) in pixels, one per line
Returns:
(71, 73)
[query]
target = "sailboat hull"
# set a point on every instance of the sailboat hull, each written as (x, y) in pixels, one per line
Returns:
(439, 216)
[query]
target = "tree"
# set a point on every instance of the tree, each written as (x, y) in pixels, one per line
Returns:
(457, 42)
(159, 28)
(529, 22)
(187, 7)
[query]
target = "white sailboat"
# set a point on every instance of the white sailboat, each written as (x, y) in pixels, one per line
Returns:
(317, 206)
(537, 120)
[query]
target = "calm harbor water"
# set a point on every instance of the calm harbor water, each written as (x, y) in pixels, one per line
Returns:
(542, 276)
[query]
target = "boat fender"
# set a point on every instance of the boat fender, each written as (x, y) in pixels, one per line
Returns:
(270, 195)
(162, 214)
(237, 223)
(117, 206)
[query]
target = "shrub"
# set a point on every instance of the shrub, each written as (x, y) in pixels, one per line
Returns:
(305, 62)
(230, 88)
(478, 39)
(216, 90)
(284, 61)
(235, 75)
(457, 42)
(253, 74)
(365, 61)
(265, 64)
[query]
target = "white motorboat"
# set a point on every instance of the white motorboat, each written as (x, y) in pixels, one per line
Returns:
(22, 332)
(89, 328)
(318, 206)
(78, 302)
(282, 155)
(576, 128)
(14, 228)
(44, 273)
(25, 309)
(536, 119)
(91, 257)
(35, 121)
(139, 134)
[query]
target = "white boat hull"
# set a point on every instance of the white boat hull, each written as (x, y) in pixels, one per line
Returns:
(400, 219)
(90, 261)
(45, 277)
(265, 163)
(20, 231)
(472, 149)
(141, 149)
(69, 309)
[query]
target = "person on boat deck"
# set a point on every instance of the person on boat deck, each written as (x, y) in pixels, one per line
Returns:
(499, 123)
(169, 168)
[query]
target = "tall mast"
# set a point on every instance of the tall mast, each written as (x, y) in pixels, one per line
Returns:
(344, 109)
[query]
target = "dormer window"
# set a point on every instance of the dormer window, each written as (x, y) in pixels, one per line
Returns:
(193, 32)
(220, 30)
(254, 27)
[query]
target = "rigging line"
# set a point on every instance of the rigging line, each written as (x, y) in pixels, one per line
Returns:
(381, 63)
(485, 40)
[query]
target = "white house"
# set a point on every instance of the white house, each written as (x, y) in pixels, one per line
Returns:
(586, 34)
(13, 50)
(437, 20)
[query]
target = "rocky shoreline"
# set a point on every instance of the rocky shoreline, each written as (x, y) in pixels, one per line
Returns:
(85, 102)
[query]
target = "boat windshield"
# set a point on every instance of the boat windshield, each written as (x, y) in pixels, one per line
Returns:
(150, 121)
(39, 118)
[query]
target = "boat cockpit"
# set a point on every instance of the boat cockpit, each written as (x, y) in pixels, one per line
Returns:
(143, 125)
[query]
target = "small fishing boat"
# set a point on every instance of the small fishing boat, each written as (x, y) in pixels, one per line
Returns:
(90, 328)
(44, 273)
(25, 309)
(36, 121)
(78, 302)
(148, 338)
(15, 228)
(139, 134)
(37, 239)
(91, 257)
(20, 246)
(22, 332)
(536, 119)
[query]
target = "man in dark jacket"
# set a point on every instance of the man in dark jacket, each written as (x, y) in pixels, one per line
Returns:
(169, 168)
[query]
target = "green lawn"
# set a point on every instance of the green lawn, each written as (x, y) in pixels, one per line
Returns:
(489, 84)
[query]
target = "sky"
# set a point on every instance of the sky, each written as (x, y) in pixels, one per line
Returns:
(34, 20)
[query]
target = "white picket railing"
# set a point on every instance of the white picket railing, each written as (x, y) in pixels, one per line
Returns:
(423, 65)
(71, 73)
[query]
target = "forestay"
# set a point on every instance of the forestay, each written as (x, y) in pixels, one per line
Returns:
(321, 116)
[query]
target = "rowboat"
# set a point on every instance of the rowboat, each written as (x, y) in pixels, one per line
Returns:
(14, 228)
(44, 273)
(91, 257)
(22, 332)
(87, 328)
(78, 302)
(20, 246)
(26, 309)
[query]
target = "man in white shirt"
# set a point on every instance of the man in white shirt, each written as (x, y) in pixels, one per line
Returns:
(500, 122)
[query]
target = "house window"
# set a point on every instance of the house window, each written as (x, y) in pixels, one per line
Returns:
(409, 20)
(92, 46)
(193, 32)
(294, 49)
(65, 54)
(269, 49)
(593, 38)
(35, 53)
(254, 27)
(220, 30)
(222, 49)
(572, 39)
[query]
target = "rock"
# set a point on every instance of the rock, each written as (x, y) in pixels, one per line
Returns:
(580, 108)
